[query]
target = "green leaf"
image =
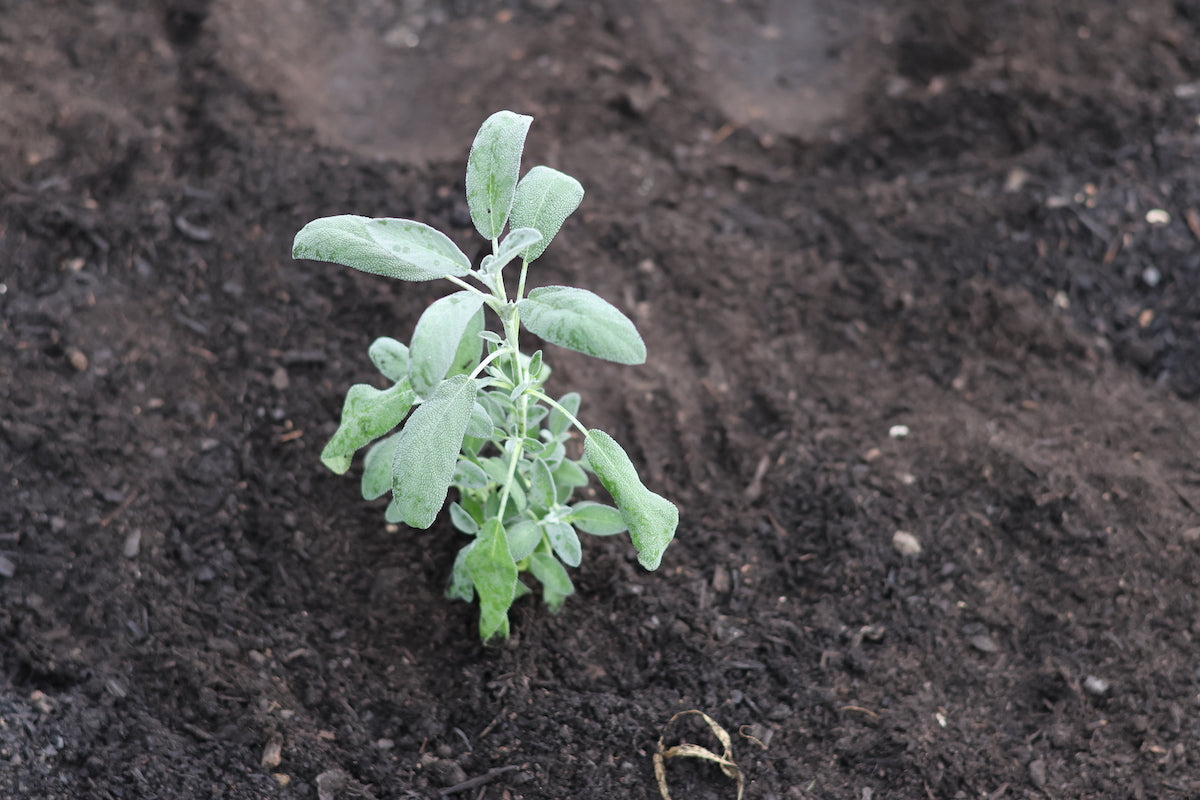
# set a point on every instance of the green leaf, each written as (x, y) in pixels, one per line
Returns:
(367, 414)
(565, 542)
(523, 538)
(569, 476)
(582, 321)
(392, 514)
(556, 583)
(460, 519)
(427, 451)
(558, 422)
(394, 248)
(481, 425)
(469, 476)
(460, 587)
(377, 468)
(651, 518)
(389, 357)
(541, 486)
(494, 575)
(596, 519)
(438, 341)
(492, 170)
(511, 246)
(545, 198)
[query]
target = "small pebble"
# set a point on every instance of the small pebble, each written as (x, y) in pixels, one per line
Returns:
(1037, 773)
(7, 568)
(1095, 686)
(133, 544)
(984, 644)
(898, 431)
(906, 544)
(1158, 216)
(78, 360)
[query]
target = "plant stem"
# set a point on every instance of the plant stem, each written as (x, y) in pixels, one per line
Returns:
(556, 405)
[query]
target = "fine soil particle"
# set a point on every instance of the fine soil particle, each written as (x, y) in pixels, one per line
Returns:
(974, 222)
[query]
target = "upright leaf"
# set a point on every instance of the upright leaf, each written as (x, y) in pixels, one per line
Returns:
(367, 414)
(494, 575)
(582, 321)
(377, 467)
(651, 518)
(389, 357)
(556, 584)
(517, 240)
(565, 542)
(545, 198)
(447, 328)
(493, 168)
(394, 248)
(427, 451)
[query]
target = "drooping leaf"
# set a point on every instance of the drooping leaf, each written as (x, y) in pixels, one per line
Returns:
(523, 538)
(494, 576)
(481, 425)
(545, 198)
(367, 414)
(596, 519)
(439, 338)
(389, 357)
(565, 542)
(511, 246)
(377, 467)
(427, 450)
(492, 170)
(651, 518)
(394, 248)
(556, 583)
(462, 520)
(582, 321)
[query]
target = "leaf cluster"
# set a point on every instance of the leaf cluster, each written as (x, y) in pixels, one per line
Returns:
(466, 409)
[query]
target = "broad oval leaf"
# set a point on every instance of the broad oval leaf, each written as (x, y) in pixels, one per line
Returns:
(493, 168)
(481, 425)
(523, 538)
(462, 520)
(582, 321)
(596, 519)
(460, 587)
(367, 414)
(439, 338)
(494, 576)
(394, 248)
(389, 357)
(565, 542)
(427, 450)
(545, 198)
(469, 476)
(377, 468)
(651, 518)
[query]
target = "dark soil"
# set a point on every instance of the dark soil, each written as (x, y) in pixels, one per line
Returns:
(827, 218)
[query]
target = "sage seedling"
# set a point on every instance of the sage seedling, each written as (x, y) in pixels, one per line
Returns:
(466, 410)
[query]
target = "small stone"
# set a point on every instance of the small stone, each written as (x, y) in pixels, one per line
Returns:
(898, 431)
(7, 568)
(1037, 773)
(984, 644)
(720, 580)
(906, 544)
(447, 772)
(280, 379)
(385, 744)
(1158, 216)
(272, 755)
(77, 359)
(133, 544)
(331, 784)
(1095, 686)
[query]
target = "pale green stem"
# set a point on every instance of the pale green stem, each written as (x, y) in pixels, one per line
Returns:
(556, 405)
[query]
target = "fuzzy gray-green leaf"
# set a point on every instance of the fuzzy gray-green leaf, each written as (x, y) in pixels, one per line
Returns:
(582, 321)
(523, 538)
(565, 542)
(377, 467)
(494, 575)
(596, 519)
(394, 248)
(545, 198)
(389, 357)
(427, 450)
(438, 341)
(556, 583)
(493, 168)
(651, 518)
(367, 414)
(517, 240)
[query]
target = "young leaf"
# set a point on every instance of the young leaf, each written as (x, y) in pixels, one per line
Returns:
(481, 425)
(558, 422)
(556, 584)
(523, 538)
(394, 248)
(389, 357)
(463, 521)
(517, 240)
(427, 451)
(545, 198)
(565, 542)
(567, 477)
(582, 321)
(367, 414)
(377, 468)
(596, 519)
(460, 587)
(541, 486)
(651, 518)
(438, 339)
(492, 170)
(469, 476)
(494, 575)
